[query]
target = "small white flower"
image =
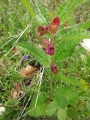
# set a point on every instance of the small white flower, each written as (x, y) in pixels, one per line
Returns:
(86, 44)
(2, 110)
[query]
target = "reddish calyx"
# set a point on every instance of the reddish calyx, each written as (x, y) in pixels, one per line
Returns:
(53, 27)
(54, 68)
(42, 30)
(49, 47)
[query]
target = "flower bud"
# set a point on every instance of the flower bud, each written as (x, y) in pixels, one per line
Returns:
(49, 49)
(43, 30)
(54, 68)
(53, 27)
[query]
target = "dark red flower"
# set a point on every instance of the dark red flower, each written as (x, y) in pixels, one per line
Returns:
(43, 30)
(54, 68)
(48, 46)
(53, 27)
(49, 49)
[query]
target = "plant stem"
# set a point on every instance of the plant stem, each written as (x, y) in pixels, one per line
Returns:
(51, 87)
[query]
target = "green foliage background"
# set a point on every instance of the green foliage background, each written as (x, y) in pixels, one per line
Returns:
(71, 87)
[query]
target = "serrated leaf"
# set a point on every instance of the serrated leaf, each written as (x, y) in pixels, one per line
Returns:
(72, 33)
(85, 25)
(51, 108)
(65, 79)
(60, 91)
(61, 114)
(38, 53)
(40, 107)
(62, 101)
(72, 113)
(65, 9)
(72, 94)
(74, 81)
(67, 40)
(42, 14)
(65, 49)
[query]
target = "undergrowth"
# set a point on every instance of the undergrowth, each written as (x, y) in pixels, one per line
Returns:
(35, 82)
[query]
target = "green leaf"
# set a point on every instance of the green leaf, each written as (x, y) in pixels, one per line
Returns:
(29, 8)
(51, 108)
(65, 49)
(60, 91)
(42, 14)
(65, 9)
(62, 101)
(72, 94)
(65, 79)
(72, 113)
(61, 114)
(62, 78)
(74, 81)
(85, 25)
(67, 40)
(38, 53)
(40, 106)
(72, 33)
(88, 106)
